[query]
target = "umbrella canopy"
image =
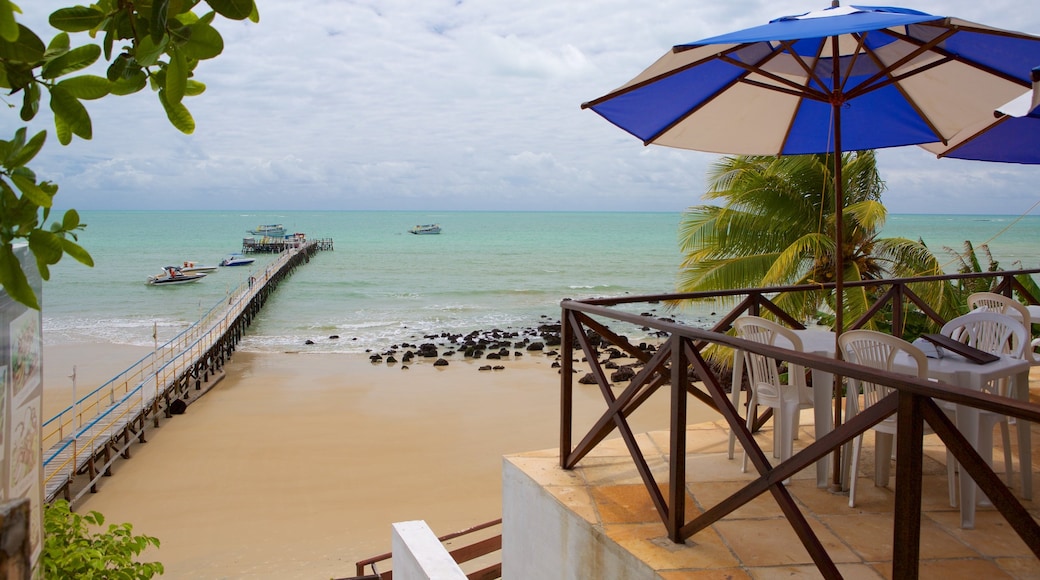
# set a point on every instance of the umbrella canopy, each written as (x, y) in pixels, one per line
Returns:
(903, 77)
(1011, 136)
(843, 78)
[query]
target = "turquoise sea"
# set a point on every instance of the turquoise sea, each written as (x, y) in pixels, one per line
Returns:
(383, 286)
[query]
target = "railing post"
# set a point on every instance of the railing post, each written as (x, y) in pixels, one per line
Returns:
(898, 325)
(566, 386)
(906, 540)
(677, 442)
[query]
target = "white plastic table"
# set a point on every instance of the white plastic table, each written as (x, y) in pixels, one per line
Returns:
(952, 369)
(956, 370)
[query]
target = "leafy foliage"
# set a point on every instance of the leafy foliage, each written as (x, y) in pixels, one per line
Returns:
(155, 43)
(968, 262)
(775, 227)
(72, 550)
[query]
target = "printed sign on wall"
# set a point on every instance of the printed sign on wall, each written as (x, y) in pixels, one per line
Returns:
(21, 402)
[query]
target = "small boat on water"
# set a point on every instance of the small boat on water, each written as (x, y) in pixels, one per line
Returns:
(190, 267)
(269, 230)
(426, 229)
(174, 275)
(237, 260)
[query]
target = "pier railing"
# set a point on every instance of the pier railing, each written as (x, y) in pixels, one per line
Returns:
(91, 427)
(682, 367)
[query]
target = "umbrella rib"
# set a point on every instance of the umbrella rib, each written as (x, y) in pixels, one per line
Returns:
(796, 89)
(872, 84)
(981, 30)
(799, 90)
(933, 46)
(664, 75)
(999, 121)
(861, 40)
(802, 92)
(723, 89)
(894, 80)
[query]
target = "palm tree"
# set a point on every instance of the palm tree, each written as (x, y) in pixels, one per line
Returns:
(775, 227)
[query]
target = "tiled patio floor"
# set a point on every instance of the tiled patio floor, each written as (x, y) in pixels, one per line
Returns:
(756, 541)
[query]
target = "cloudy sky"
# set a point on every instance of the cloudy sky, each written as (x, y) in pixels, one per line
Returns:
(462, 105)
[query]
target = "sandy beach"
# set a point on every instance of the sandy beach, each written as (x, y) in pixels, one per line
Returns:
(295, 465)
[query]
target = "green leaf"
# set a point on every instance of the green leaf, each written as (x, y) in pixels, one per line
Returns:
(149, 51)
(30, 102)
(71, 112)
(179, 33)
(176, 76)
(13, 278)
(59, 45)
(23, 155)
(8, 26)
(108, 42)
(194, 88)
(129, 83)
(77, 252)
(76, 18)
(233, 9)
(31, 191)
(88, 87)
(27, 48)
(205, 42)
(46, 246)
(119, 67)
(70, 221)
(76, 59)
(178, 115)
(157, 25)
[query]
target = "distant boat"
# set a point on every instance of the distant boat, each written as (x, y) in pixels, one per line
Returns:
(426, 229)
(236, 260)
(173, 275)
(269, 230)
(190, 267)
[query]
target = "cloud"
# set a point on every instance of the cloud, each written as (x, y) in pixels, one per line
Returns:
(335, 104)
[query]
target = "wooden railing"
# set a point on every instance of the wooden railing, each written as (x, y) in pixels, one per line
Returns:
(682, 355)
(483, 547)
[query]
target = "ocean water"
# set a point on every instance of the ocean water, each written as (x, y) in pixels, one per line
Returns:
(382, 286)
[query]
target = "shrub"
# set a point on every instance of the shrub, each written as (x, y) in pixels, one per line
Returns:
(71, 550)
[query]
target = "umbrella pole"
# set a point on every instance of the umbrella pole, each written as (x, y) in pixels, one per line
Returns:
(839, 252)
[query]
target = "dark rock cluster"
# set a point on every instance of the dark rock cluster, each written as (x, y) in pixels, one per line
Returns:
(499, 345)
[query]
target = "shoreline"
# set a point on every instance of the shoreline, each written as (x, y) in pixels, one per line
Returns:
(295, 465)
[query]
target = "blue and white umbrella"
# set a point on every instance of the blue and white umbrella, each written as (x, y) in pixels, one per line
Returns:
(834, 80)
(1012, 135)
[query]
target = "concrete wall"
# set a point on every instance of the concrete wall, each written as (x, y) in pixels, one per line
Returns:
(419, 555)
(543, 538)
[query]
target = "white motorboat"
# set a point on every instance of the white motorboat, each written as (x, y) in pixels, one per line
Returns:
(426, 229)
(269, 230)
(237, 260)
(190, 267)
(174, 275)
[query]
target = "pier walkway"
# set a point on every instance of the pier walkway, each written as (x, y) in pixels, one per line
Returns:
(88, 436)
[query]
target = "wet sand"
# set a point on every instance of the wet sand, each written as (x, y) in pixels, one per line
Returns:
(295, 465)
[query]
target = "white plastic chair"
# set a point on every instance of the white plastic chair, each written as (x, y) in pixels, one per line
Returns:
(786, 397)
(996, 334)
(878, 350)
(993, 302)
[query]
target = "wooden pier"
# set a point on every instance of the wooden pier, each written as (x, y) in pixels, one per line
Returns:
(274, 245)
(85, 439)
